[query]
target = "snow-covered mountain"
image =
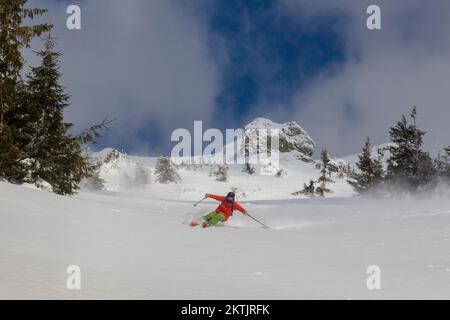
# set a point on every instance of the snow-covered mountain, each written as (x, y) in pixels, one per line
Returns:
(124, 173)
(293, 139)
(121, 172)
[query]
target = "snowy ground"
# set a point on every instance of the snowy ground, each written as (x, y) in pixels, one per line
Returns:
(135, 245)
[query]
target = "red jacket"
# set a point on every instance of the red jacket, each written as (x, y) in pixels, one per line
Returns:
(227, 208)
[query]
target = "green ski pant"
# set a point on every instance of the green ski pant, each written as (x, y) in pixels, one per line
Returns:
(214, 218)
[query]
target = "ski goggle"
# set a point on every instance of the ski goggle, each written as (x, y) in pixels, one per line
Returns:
(230, 198)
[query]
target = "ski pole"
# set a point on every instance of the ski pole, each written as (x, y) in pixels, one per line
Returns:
(197, 203)
(265, 226)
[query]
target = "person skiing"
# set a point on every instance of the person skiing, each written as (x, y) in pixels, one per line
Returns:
(223, 212)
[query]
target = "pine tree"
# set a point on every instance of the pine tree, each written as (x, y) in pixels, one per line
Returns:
(91, 134)
(94, 182)
(142, 176)
(281, 173)
(325, 177)
(409, 166)
(447, 168)
(166, 172)
(249, 168)
(370, 173)
(221, 173)
(443, 165)
(55, 155)
(14, 36)
(10, 167)
(308, 190)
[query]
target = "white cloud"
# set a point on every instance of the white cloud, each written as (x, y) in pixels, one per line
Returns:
(387, 72)
(148, 64)
(144, 62)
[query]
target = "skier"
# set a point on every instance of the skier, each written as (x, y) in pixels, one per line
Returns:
(223, 212)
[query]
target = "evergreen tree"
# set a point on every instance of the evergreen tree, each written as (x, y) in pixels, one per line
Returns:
(409, 166)
(165, 171)
(325, 177)
(447, 168)
(94, 182)
(14, 36)
(220, 172)
(10, 167)
(249, 168)
(55, 155)
(370, 172)
(142, 176)
(91, 134)
(308, 190)
(281, 173)
(443, 165)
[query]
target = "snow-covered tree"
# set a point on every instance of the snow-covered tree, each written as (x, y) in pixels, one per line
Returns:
(443, 165)
(94, 181)
(447, 169)
(56, 156)
(281, 173)
(370, 172)
(16, 33)
(112, 155)
(409, 166)
(308, 190)
(325, 177)
(249, 168)
(11, 168)
(188, 165)
(142, 176)
(140, 179)
(220, 173)
(165, 171)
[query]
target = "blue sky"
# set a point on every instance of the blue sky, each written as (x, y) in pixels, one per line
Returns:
(160, 65)
(271, 55)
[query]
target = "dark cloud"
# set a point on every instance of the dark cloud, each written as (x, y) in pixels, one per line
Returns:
(146, 63)
(387, 72)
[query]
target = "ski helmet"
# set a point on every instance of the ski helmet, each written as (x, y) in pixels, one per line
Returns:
(231, 196)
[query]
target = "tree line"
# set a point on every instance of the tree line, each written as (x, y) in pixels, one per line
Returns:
(35, 143)
(409, 169)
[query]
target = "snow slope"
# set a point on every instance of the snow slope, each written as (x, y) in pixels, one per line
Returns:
(135, 245)
(132, 241)
(196, 182)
